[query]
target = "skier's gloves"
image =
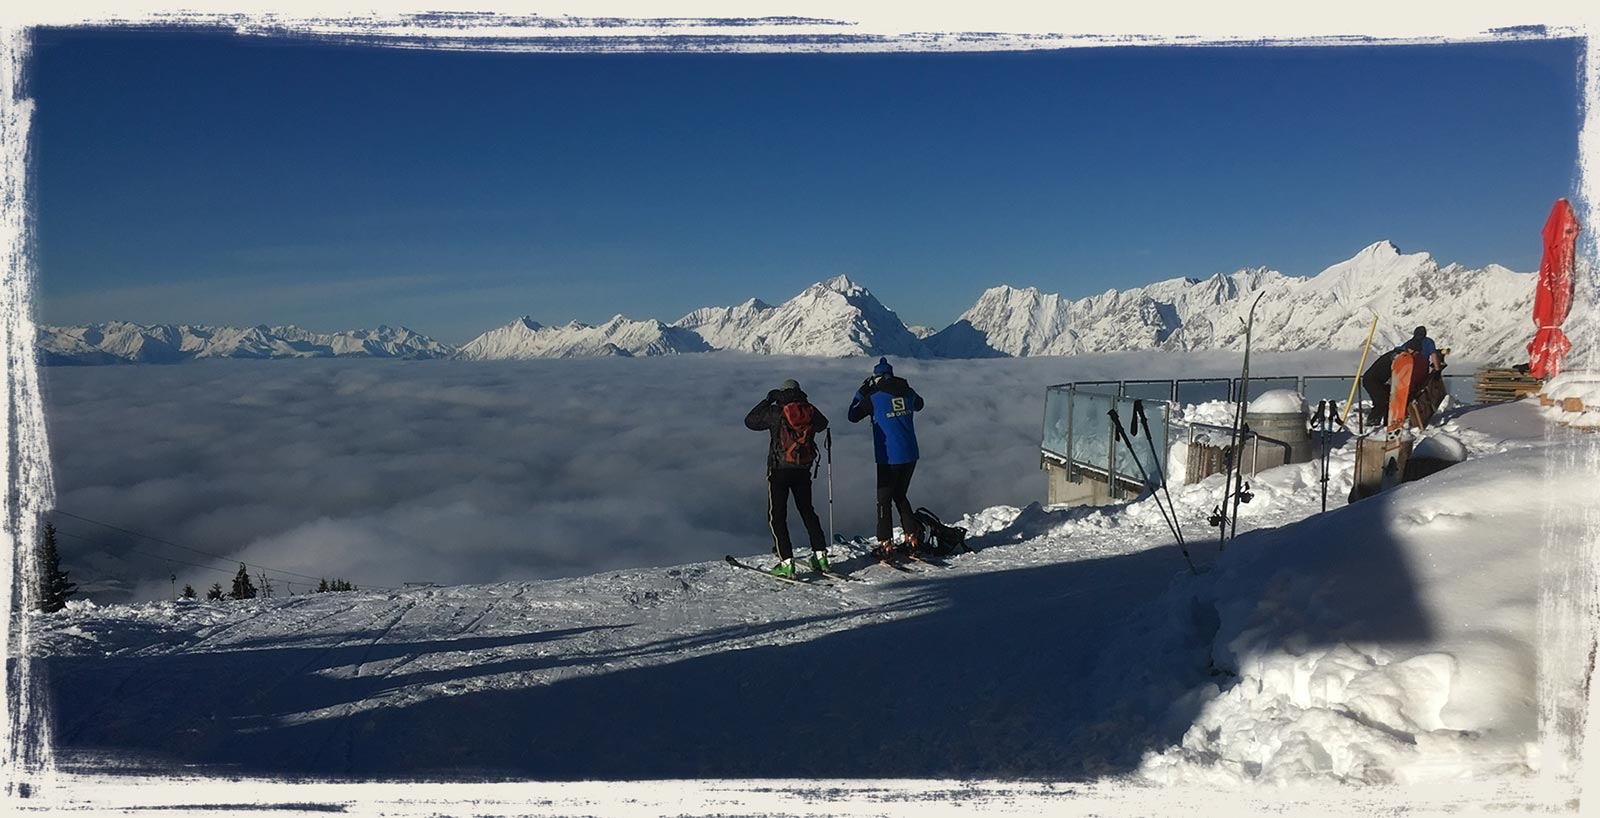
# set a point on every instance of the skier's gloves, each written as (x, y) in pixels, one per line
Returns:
(868, 386)
(772, 395)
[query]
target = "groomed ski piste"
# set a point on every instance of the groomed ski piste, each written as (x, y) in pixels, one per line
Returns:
(1395, 650)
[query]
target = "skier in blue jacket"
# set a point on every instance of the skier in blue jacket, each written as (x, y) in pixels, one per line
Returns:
(892, 404)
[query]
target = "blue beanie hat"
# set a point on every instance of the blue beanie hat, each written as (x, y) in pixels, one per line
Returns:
(883, 367)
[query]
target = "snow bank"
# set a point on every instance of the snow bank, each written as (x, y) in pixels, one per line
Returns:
(1389, 641)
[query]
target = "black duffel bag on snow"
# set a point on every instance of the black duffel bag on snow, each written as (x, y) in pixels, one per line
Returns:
(939, 539)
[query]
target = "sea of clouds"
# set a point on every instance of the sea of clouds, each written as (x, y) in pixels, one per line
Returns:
(386, 472)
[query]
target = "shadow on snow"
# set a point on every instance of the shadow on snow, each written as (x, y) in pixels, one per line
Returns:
(1066, 671)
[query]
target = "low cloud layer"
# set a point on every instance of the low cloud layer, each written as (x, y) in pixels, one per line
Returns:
(386, 472)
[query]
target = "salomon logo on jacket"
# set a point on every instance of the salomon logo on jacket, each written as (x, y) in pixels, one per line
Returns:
(892, 404)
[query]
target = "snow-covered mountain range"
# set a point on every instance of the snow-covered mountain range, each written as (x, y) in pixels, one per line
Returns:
(837, 318)
(1481, 314)
(121, 341)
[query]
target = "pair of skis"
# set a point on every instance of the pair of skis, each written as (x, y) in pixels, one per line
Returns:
(1234, 488)
(735, 562)
(863, 543)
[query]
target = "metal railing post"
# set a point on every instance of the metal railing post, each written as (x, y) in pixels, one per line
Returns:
(1111, 458)
(1071, 391)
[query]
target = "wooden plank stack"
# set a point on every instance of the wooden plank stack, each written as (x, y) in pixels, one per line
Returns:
(1497, 384)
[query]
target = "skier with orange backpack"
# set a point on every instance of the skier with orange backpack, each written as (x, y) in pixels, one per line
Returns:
(791, 459)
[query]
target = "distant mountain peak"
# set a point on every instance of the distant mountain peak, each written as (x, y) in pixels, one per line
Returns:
(1383, 248)
(843, 285)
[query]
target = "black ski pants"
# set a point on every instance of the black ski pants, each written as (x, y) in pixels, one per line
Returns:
(1376, 383)
(780, 484)
(893, 481)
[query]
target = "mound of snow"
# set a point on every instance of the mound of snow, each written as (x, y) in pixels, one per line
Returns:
(1440, 447)
(1583, 385)
(1278, 402)
(1210, 413)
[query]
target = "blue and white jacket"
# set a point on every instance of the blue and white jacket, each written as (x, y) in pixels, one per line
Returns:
(892, 404)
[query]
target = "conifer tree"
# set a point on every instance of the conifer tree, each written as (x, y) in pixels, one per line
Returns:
(188, 591)
(243, 588)
(322, 587)
(215, 593)
(53, 585)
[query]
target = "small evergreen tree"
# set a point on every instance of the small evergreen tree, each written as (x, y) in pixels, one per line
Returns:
(215, 593)
(188, 591)
(341, 585)
(322, 587)
(243, 588)
(53, 585)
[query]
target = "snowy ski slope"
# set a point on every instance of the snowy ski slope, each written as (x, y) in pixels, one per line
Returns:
(1393, 642)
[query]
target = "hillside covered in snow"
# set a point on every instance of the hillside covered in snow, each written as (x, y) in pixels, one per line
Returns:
(1481, 314)
(1395, 641)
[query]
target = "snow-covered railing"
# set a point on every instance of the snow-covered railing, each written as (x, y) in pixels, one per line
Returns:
(1191, 391)
(1079, 435)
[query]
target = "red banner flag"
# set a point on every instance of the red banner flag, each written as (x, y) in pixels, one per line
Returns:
(1553, 298)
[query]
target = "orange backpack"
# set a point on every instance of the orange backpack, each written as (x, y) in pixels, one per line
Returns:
(796, 439)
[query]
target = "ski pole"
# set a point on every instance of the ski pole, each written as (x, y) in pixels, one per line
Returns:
(1140, 419)
(1322, 420)
(1327, 450)
(1171, 524)
(827, 444)
(1138, 410)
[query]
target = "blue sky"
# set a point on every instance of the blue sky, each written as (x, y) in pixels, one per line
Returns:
(199, 178)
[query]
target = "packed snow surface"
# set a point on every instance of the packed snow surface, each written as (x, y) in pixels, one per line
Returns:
(1390, 641)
